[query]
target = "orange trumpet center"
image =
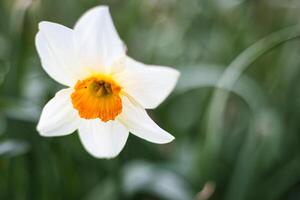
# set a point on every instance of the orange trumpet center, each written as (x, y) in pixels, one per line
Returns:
(97, 97)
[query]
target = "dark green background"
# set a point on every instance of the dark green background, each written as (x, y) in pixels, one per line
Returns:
(249, 151)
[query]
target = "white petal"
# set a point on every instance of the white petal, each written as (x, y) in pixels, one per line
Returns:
(98, 41)
(55, 47)
(103, 139)
(148, 85)
(137, 121)
(58, 117)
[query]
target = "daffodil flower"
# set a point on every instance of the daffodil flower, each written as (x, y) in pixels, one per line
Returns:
(107, 92)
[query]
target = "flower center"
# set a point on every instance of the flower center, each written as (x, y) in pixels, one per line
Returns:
(97, 97)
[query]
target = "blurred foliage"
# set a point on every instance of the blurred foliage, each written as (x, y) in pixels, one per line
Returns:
(235, 111)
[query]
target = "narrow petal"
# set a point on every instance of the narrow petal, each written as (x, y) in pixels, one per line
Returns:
(103, 139)
(58, 117)
(137, 121)
(55, 47)
(98, 41)
(148, 85)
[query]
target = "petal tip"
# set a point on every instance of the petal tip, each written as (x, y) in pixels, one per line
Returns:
(103, 140)
(42, 24)
(177, 73)
(41, 132)
(100, 7)
(100, 155)
(40, 129)
(97, 9)
(168, 139)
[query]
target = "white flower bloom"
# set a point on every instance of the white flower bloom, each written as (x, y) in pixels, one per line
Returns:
(107, 92)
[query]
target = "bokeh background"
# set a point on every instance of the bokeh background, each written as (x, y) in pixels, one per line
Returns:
(236, 121)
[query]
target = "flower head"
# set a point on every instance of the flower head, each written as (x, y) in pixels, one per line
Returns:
(107, 92)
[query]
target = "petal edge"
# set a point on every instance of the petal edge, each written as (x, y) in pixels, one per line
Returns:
(99, 44)
(103, 140)
(148, 85)
(58, 117)
(137, 121)
(54, 44)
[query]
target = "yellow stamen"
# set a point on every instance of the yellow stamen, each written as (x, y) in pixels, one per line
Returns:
(97, 97)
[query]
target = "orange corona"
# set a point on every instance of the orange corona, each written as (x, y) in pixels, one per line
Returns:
(97, 97)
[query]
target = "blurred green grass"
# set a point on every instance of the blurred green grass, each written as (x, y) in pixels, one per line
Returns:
(241, 145)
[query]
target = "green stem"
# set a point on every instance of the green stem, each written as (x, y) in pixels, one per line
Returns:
(228, 80)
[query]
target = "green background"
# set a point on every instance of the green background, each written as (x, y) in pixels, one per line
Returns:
(238, 142)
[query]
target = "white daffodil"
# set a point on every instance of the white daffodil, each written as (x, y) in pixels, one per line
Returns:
(107, 92)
